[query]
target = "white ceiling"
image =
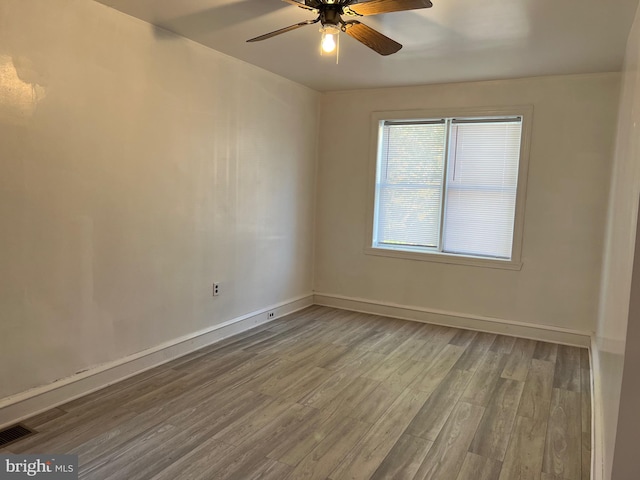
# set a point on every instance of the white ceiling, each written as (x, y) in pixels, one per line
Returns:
(456, 40)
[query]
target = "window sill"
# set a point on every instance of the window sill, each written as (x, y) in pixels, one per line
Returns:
(445, 258)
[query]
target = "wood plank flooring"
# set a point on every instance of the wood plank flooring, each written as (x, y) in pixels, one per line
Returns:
(330, 394)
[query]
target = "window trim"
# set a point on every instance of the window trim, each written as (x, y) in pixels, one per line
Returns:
(515, 263)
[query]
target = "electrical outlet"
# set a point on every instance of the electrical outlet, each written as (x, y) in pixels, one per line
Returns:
(216, 289)
(271, 315)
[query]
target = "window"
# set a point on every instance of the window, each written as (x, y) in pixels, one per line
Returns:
(450, 188)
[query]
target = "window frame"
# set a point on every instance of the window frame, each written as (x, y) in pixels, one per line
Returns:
(515, 263)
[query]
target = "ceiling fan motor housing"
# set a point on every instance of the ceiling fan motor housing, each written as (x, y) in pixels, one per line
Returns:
(330, 15)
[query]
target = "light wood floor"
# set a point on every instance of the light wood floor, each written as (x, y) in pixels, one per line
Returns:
(326, 393)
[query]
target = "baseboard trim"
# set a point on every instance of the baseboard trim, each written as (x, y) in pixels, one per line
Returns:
(23, 405)
(597, 439)
(455, 319)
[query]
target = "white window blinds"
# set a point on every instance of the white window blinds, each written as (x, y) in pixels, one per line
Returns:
(409, 185)
(448, 185)
(482, 179)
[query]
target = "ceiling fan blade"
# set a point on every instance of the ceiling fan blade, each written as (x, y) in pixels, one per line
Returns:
(374, 7)
(371, 38)
(284, 30)
(301, 5)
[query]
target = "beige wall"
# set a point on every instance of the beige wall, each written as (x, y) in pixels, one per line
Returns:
(609, 354)
(569, 168)
(625, 455)
(136, 168)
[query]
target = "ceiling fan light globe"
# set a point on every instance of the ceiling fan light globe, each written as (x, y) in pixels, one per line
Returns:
(328, 42)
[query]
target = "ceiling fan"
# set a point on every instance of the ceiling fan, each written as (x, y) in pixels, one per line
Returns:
(330, 17)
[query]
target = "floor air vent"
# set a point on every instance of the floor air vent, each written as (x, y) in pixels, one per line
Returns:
(13, 434)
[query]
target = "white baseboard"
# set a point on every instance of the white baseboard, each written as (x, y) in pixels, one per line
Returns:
(459, 320)
(23, 405)
(597, 439)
